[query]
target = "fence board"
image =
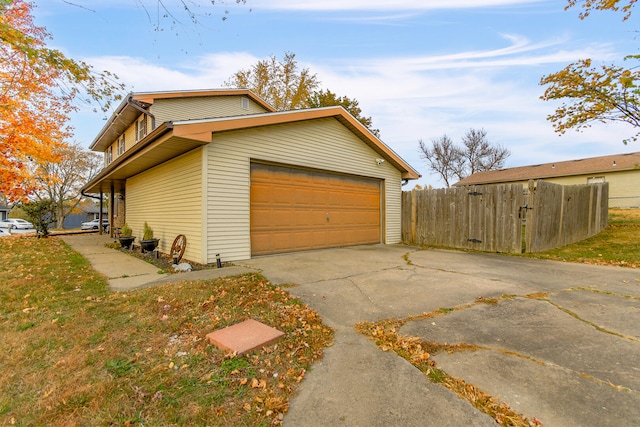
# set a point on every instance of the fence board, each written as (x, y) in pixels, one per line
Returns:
(490, 218)
(565, 214)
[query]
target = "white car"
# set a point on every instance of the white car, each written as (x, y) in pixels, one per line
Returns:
(16, 223)
(4, 232)
(93, 225)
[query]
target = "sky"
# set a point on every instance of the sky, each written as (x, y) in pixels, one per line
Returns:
(419, 68)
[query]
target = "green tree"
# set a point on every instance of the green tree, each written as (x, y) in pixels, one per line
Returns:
(595, 93)
(281, 83)
(41, 213)
(326, 98)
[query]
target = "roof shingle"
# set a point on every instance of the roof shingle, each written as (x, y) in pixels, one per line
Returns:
(592, 165)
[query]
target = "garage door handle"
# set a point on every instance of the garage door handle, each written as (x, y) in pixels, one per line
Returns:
(327, 216)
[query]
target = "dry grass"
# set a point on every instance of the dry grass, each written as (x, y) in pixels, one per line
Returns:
(418, 352)
(76, 354)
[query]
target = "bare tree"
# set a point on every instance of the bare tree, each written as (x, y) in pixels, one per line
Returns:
(480, 155)
(443, 158)
(61, 182)
(477, 154)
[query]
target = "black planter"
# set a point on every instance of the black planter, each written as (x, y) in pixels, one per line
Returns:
(149, 245)
(126, 242)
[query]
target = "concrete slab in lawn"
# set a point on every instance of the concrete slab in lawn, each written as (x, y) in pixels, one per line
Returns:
(244, 337)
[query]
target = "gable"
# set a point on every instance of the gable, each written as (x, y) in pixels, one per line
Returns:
(177, 109)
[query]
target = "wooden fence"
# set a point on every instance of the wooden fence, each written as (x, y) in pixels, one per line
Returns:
(492, 217)
(563, 214)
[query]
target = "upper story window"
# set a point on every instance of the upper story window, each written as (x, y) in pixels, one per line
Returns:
(108, 156)
(245, 104)
(141, 127)
(121, 146)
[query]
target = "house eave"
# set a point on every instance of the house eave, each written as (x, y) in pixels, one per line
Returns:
(203, 130)
(156, 148)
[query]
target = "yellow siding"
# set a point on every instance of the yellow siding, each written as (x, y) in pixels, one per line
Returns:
(320, 144)
(169, 198)
(201, 108)
(178, 109)
(624, 186)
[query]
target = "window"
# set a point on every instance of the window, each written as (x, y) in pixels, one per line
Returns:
(108, 156)
(141, 127)
(595, 179)
(121, 146)
(245, 104)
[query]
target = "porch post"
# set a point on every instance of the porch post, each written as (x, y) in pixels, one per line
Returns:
(100, 214)
(111, 211)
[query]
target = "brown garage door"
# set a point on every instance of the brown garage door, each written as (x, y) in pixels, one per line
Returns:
(294, 210)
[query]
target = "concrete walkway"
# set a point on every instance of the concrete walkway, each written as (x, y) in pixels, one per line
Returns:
(125, 272)
(568, 354)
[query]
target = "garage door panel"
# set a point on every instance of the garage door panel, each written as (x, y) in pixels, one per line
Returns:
(293, 209)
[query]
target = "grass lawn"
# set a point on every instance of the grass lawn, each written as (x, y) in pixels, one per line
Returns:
(74, 353)
(618, 244)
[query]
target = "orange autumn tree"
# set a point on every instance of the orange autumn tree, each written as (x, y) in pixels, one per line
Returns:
(593, 92)
(38, 89)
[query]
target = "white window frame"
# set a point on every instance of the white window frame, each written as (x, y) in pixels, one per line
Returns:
(595, 179)
(121, 146)
(108, 156)
(141, 128)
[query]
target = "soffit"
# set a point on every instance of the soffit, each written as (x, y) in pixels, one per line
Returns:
(151, 152)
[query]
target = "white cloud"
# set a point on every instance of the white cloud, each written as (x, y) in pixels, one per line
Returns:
(382, 4)
(423, 97)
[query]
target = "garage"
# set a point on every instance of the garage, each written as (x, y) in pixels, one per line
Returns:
(296, 209)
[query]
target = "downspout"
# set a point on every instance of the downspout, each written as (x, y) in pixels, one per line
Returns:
(142, 110)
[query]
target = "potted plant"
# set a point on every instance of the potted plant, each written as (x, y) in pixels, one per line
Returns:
(148, 243)
(126, 239)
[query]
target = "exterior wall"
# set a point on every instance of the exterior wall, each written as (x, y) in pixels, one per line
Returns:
(169, 198)
(177, 109)
(201, 108)
(624, 186)
(322, 144)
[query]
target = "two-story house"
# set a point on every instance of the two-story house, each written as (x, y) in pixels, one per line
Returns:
(240, 179)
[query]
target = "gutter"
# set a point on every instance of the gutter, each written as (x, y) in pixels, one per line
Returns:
(142, 110)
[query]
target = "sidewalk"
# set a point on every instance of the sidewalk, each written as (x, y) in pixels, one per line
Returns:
(125, 272)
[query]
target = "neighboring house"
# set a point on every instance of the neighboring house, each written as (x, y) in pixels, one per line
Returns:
(83, 213)
(4, 212)
(240, 179)
(621, 171)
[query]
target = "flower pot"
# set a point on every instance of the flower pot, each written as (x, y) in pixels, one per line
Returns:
(149, 245)
(126, 242)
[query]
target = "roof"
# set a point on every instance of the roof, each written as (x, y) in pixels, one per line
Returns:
(130, 108)
(171, 139)
(588, 166)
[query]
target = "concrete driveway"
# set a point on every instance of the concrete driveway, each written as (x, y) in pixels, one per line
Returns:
(570, 357)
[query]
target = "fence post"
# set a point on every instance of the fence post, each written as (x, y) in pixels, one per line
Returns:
(414, 215)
